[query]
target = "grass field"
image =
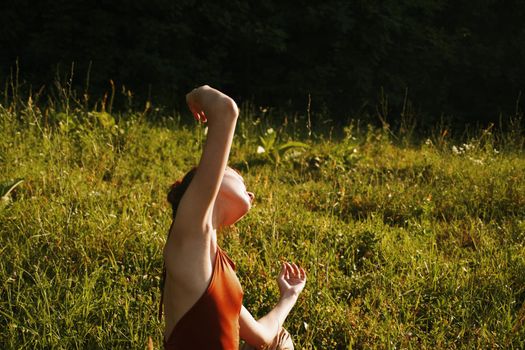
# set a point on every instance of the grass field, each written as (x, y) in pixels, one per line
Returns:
(408, 245)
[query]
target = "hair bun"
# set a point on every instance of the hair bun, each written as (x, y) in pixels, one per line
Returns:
(174, 193)
(178, 189)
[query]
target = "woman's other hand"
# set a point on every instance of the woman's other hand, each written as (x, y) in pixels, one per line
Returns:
(291, 280)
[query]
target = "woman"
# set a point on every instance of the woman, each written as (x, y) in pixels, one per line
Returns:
(202, 295)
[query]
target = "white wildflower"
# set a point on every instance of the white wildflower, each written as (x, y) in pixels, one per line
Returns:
(260, 149)
(476, 161)
(468, 146)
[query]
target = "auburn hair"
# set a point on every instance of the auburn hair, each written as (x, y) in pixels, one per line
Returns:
(178, 189)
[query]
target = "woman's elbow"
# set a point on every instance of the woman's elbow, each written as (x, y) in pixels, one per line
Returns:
(264, 340)
(229, 107)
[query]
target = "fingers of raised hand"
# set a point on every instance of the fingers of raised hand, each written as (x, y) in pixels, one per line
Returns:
(201, 117)
(194, 104)
(197, 112)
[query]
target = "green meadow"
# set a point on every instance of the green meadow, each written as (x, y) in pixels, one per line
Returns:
(409, 242)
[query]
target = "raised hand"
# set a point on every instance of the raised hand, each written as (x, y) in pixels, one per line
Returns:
(194, 99)
(205, 102)
(291, 280)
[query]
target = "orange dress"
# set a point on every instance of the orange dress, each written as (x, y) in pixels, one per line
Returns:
(212, 323)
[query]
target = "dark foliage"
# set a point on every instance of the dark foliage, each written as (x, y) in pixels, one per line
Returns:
(458, 58)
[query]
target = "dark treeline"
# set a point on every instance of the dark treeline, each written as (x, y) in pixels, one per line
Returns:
(459, 58)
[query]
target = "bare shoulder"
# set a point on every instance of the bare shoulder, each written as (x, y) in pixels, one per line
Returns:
(188, 271)
(187, 255)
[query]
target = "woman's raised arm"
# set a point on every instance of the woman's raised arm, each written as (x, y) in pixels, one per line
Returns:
(220, 112)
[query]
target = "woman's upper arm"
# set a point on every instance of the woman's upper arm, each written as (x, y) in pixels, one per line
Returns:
(202, 191)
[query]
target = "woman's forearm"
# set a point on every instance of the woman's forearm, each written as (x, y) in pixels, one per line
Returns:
(262, 332)
(274, 320)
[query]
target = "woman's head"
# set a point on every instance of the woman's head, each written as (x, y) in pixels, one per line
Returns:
(233, 200)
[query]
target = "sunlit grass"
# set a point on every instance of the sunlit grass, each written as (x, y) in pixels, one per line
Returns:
(412, 244)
